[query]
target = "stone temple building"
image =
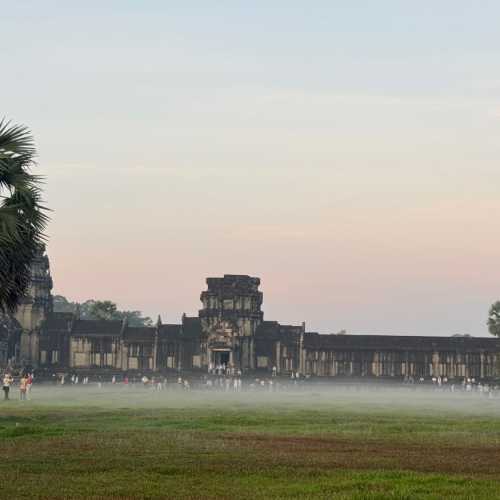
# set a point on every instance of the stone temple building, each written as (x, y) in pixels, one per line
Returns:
(230, 329)
(20, 332)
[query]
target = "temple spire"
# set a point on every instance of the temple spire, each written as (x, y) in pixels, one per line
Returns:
(78, 311)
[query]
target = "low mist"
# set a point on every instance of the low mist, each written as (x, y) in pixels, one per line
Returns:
(374, 398)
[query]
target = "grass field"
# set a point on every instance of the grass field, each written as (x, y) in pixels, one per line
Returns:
(135, 443)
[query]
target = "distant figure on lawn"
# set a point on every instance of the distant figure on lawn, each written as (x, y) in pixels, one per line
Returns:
(23, 387)
(29, 383)
(7, 382)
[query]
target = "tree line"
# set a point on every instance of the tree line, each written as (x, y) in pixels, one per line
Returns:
(101, 310)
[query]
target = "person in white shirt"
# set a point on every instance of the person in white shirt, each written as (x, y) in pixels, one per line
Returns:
(7, 382)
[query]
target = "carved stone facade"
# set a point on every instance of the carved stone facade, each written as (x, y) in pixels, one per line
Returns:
(400, 356)
(230, 329)
(10, 336)
(34, 308)
(230, 318)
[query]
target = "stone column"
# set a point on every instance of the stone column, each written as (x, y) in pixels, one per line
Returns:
(252, 355)
(301, 366)
(252, 363)
(155, 350)
(25, 346)
(435, 364)
(124, 356)
(179, 357)
(70, 353)
(34, 348)
(375, 364)
(278, 357)
(118, 354)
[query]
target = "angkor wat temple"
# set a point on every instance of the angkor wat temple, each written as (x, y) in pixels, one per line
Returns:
(230, 329)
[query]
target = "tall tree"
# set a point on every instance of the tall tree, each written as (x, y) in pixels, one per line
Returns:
(23, 219)
(103, 309)
(62, 304)
(135, 318)
(494, 319)
(100, 309)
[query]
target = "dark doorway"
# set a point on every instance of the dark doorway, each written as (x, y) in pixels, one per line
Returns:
(221, 358)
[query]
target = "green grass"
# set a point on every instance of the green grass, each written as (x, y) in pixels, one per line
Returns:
(116, 443)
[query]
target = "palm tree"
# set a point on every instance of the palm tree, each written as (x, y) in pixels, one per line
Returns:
(22, 217)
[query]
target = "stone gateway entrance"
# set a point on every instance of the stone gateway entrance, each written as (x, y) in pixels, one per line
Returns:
(221, 358)
(221, 345)
(229, 319)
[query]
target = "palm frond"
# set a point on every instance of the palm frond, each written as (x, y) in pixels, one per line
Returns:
(15, 139)
(23, 218)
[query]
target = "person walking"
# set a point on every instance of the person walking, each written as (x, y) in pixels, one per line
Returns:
(7, 382)
(29, 384)
(23, 387)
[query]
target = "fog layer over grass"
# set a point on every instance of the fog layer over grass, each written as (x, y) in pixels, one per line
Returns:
(359, 398)
(311, 442)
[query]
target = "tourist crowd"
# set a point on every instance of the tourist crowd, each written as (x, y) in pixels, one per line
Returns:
(226, 379)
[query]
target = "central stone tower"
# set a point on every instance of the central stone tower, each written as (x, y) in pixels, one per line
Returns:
(229, 319)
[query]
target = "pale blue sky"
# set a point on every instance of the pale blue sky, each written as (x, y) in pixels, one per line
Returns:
(345, 152)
